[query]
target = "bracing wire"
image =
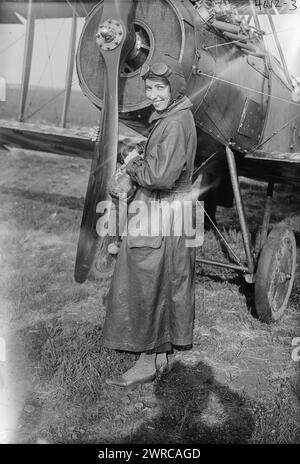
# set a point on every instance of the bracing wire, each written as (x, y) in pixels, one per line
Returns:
(50, 100)
(11, 44)
(234, 41)
(83, 5)
(250, 89)
(267, 95)
(46, 62)
(261, 93)
(208, 75)
(236, 258)
(50, 72)
(75, 11)
(275, 132)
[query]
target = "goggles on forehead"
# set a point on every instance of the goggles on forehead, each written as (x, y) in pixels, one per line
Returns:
(157, 69)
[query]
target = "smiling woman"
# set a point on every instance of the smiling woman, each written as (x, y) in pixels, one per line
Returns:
(151, 298)
(158, 92)
(164, 83)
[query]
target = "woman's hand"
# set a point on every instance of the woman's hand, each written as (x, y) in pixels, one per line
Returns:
(127, 151)
(132, 154)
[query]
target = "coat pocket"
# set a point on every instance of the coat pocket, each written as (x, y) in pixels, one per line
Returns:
(141, 241)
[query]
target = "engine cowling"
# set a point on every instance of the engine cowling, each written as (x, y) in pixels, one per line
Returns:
(161, 26)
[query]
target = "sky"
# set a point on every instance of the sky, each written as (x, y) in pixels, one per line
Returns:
(49, 61)
(52, 41)
(288, 30)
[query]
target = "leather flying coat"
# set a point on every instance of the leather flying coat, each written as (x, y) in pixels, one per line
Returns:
(151, 297)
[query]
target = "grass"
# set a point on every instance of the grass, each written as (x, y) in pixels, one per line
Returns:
(237, 385)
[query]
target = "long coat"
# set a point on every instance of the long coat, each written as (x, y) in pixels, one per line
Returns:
(151, 298)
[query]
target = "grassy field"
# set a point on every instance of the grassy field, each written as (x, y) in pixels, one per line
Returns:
(238, 384)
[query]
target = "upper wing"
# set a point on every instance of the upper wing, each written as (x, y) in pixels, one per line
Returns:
(43, 10)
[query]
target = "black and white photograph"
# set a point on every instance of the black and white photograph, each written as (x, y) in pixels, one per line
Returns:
(150, 225)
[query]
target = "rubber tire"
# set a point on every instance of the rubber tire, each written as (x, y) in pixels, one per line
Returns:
(278, 250)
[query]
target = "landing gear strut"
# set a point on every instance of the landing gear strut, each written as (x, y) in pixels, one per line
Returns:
(271, 267)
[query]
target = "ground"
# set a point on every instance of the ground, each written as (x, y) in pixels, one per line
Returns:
(237, 385)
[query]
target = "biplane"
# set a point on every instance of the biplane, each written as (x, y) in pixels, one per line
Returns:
(246, 107)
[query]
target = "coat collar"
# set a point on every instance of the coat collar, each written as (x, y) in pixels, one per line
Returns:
(179, 105)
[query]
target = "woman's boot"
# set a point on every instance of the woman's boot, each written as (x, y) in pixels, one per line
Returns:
(146, 368)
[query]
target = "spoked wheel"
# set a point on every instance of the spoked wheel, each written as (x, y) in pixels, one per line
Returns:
(275, 274)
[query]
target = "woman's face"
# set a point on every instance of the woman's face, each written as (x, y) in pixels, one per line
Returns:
(158, 93)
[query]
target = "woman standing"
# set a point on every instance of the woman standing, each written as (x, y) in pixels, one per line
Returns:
(151, 299)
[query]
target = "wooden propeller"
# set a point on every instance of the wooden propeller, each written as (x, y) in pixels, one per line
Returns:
(114, 38)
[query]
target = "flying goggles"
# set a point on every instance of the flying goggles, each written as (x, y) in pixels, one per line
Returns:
(157, 69)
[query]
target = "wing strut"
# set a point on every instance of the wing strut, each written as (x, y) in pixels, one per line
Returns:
(279, 48)
(254, 15)
(29, 37)
(70, 67)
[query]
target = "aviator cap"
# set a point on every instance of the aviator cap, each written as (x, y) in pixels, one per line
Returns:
(166, 67)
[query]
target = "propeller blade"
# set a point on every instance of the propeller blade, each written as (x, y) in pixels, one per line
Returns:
(114, 40)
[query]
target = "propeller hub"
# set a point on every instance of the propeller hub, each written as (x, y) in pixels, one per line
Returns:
(109, 34)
